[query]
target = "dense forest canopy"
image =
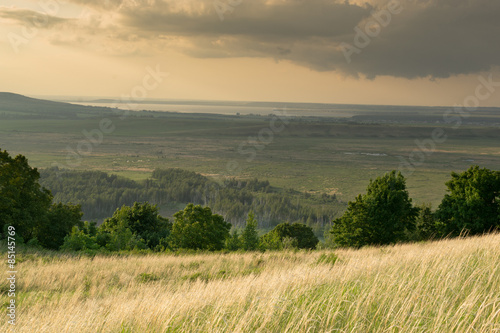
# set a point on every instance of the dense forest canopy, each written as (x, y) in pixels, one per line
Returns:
(100, 194)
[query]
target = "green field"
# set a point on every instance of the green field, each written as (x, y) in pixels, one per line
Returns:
(313, 154)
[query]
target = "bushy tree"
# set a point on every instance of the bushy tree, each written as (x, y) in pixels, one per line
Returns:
(61, 218)
(196, 227)
(143, 221)
(382, 216)
(304, 235)
(123, 239)
(250, 236)
(290, 243)
(270, 241)
(23, 202)
(473, 204)
(81, 238)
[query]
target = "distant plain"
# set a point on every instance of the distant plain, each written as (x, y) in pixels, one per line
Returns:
(312, 153)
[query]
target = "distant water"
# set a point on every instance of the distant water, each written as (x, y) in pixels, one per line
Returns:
(228, 110)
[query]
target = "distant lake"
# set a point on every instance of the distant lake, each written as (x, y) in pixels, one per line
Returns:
(228, 110)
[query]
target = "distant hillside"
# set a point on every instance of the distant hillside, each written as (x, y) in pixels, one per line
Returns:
(15, 105)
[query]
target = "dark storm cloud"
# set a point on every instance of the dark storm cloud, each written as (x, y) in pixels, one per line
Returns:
(294, 20)
(426, 38)
(439, 39)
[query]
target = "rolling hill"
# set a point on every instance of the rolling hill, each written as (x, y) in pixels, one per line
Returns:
(15, 105)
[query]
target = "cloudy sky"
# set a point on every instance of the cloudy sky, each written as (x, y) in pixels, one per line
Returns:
(408, 52)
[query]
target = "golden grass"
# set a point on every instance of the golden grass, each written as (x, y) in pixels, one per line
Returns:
(446, 286)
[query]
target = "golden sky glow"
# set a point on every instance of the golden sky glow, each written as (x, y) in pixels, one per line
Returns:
(430, 53)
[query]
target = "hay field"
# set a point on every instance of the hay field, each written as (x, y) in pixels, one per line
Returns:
(445, 286)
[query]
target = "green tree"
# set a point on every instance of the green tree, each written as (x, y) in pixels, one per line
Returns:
(427, 227)
(270, 241)
(382, 216)
(304, 236)
(233, 242)
(250, 236)
(329, 241)
(60, 221)
(290, 243)
(473, 204)
(122, 238)
(23, 202)
(81, 238)
(196, 227)
(143, 221)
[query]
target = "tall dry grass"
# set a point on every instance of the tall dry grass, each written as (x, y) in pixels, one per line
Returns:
(446, 286)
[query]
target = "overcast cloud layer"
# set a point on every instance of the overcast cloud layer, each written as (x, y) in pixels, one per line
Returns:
(428, 38)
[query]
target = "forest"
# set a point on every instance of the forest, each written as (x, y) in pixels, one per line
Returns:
(385, 214)
(100, 194)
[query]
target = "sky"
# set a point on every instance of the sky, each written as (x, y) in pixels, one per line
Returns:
(389, 52)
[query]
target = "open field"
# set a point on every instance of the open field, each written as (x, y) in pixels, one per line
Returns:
(446, 286)
(316, 156)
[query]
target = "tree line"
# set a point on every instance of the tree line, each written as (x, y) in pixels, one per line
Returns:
(140, 227)
(385, 214)
(100, 194)
(39, 221)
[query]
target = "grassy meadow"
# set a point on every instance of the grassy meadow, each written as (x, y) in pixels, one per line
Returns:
(445, 286)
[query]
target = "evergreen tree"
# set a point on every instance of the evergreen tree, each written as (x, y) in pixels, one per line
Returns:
(250, 236)
(233, 242)
(426, 225)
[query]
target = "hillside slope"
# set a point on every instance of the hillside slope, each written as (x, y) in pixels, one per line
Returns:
(12, 104)
(446, 286)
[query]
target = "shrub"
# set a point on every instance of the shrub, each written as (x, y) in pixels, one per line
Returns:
(303, 235)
